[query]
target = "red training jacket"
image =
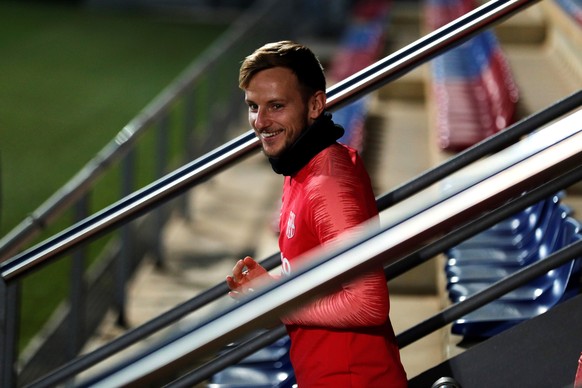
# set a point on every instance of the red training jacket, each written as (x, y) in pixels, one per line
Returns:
(344, 339)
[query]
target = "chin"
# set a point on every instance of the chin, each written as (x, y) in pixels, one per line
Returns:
(272, 153)
(267, 153)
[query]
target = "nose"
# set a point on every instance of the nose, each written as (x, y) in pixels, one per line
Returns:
(260, 119)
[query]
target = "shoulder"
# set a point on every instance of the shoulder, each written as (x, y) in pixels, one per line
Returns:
(336, 160)
(334, 171)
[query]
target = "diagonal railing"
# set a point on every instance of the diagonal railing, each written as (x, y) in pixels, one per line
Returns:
(396, 69)
(239, 37)
(551, 153)
(201, 97)
(18, 272)
(175, 183)
(479, 151)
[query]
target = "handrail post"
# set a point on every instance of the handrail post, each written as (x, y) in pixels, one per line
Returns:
(78, 292)
(9, 320)
(162, 145)
(123, 261)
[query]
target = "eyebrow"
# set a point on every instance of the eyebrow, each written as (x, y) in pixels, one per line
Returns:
(273, 101)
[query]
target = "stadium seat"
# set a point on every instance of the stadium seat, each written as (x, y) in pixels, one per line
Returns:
(513, 229)
(535, 243)
(531, 291)
(268, 367)
(564, 282)
(473, 87)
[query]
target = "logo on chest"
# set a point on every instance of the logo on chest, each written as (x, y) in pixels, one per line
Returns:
(291, 225)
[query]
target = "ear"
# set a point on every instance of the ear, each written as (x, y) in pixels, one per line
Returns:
(317, 104)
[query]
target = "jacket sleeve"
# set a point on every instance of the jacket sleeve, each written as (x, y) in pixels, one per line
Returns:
(362, 302)
(336, 206)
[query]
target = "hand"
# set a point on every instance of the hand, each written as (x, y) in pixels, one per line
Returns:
(245, 275)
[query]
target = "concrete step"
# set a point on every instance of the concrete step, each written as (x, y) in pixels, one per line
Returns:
(226, 214)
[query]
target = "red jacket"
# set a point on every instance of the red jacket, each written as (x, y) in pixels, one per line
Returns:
(344, 339)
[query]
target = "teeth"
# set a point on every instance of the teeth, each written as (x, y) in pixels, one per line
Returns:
(269, 134)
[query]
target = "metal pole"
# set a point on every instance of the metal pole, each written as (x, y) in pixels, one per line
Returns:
(365, 81)
(77, 293)
(161, 163)
(486, 147)
(495, 291)
(422, 50)
(228, 358)
(124, 259)
(131, 206)
(189, 124)
(472, 228)
(9, 321)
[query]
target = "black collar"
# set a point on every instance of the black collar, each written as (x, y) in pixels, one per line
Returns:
(314, 139)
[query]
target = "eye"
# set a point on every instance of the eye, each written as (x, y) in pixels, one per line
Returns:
(277, 106)
(253, 107)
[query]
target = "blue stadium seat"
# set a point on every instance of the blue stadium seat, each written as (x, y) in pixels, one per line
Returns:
(535, 244)
(512, 230)
(531, 291)
(268, 367)
(526, 302)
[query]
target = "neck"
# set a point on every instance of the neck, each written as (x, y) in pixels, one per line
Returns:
(314, 139)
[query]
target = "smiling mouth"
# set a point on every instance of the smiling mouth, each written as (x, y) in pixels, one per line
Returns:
(267, 135)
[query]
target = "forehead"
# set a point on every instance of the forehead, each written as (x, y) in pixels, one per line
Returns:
(273, 83)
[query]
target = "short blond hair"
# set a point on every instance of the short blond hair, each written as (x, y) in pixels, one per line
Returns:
(294, 56)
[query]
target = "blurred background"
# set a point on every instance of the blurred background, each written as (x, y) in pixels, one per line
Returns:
(100, 98)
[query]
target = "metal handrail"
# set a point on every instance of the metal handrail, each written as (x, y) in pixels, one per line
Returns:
(248, 347)
(123, 142)
(517, 170)
(175, 183)
(422, 50)
(412, 186)
(491, 293)
(486, 147)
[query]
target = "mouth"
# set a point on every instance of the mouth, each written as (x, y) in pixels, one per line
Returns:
(270, 134)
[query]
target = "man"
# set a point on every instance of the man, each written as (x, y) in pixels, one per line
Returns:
(344, 339)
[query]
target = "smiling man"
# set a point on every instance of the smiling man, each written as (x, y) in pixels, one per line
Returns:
(345, 338)
(278, 111)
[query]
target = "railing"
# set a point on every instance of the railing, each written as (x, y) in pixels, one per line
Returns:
(361, 83)
(414, 186)
(190, 94)
(188, 86)
(175, 183)
(553, 154)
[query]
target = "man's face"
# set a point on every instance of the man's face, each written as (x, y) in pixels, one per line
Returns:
(277, 110)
